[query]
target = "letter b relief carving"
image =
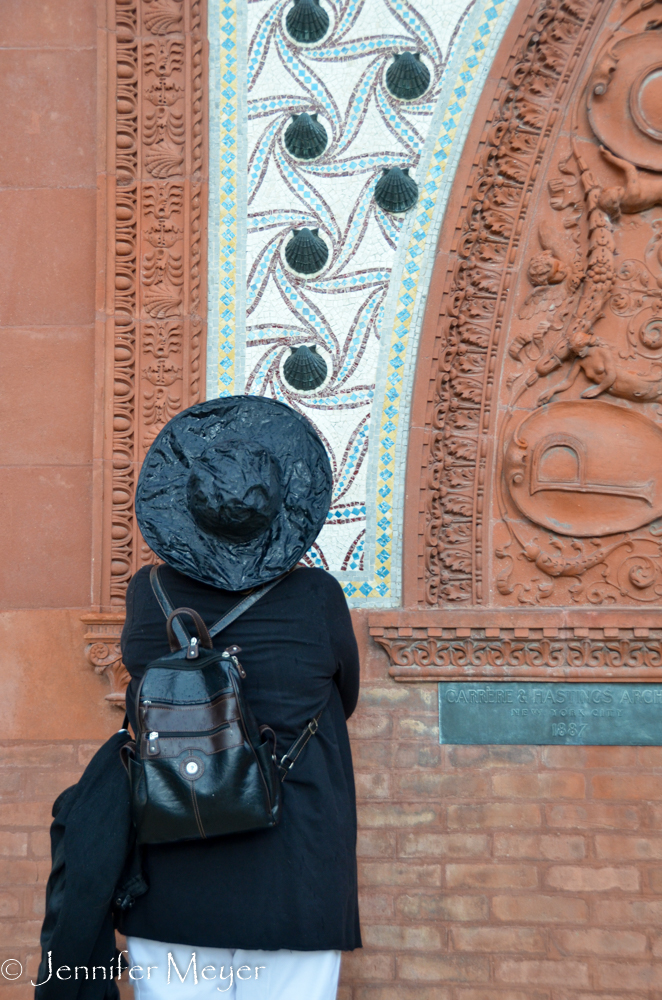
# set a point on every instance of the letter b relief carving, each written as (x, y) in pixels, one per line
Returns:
(541, 495)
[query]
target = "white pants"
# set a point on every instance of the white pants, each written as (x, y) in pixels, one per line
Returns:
(157, 970)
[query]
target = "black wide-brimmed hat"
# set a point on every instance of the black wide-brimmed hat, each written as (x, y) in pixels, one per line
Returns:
(234, 491)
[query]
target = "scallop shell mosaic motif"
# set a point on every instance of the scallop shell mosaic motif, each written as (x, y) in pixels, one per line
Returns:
(306, 253)
(407, 77)
(305, 369)
(305, 137)
(307, 21)
(396, 191)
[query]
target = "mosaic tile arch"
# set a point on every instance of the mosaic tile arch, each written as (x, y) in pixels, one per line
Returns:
(363, 311)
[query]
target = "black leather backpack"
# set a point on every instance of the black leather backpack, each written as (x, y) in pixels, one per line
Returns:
(200, 765)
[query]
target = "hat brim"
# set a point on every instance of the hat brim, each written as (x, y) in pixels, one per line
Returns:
(167, 524)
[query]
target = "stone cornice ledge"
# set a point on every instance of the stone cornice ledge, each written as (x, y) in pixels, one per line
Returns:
(551, 644)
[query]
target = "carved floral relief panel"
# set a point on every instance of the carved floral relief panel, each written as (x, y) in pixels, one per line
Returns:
(547, 440)
(150, 323)
(153, 286)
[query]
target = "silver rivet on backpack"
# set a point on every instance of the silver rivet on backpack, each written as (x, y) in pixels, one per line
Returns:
(191, 768)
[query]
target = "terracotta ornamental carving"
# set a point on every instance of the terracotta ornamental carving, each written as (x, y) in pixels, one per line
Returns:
(539, 526)
(533, 531)
(152, 282)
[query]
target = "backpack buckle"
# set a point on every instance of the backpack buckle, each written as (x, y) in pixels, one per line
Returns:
(193, 648)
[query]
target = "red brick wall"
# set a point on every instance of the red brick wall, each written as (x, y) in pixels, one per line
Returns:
(32, 774)
(500, 873)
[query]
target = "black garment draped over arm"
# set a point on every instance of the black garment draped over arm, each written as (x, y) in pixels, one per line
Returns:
(293, 886)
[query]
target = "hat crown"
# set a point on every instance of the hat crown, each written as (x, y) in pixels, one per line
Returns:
(235, 489)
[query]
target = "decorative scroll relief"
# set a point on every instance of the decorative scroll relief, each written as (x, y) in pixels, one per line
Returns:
(103, 653)
(544, 485)
(152, 266)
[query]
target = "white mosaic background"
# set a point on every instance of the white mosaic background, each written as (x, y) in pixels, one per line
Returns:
(364, 310)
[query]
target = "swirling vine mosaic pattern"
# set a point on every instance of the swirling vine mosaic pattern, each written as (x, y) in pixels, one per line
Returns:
(341, 310)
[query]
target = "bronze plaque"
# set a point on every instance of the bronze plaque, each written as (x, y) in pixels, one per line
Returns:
(550, 713)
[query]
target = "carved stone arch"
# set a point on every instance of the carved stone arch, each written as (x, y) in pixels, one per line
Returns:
(543, 324)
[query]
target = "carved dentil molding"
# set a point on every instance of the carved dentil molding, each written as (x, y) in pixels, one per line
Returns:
(500, 654)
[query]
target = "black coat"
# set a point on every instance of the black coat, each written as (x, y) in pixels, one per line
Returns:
(293, 886)
(91, 839)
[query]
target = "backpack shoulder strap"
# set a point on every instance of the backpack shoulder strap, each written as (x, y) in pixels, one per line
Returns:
(166, 607)
(218, 626)
(242, 606)
(289, 759)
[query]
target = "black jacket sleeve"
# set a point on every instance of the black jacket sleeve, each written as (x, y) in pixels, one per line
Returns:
(91, 837)
(130, 619)
(144, 634)
(343, 643)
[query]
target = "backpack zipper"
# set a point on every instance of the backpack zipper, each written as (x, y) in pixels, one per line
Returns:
(168, 733)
